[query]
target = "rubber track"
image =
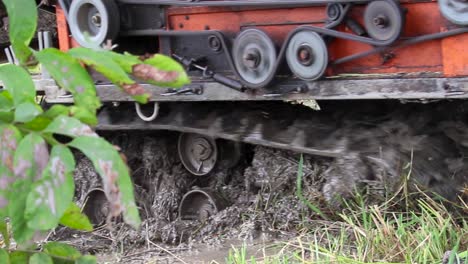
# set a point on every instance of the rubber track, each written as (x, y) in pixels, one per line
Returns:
(281, 126)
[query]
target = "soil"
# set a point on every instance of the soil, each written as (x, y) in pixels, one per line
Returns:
(261, 188)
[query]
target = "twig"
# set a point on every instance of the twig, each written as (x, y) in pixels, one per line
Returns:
(167, 251)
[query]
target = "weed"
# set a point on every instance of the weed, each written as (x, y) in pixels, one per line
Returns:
(408, 228)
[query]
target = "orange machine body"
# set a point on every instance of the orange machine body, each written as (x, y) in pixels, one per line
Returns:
(447, 57)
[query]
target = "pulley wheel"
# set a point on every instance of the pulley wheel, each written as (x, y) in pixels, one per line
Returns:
(334, 11)
(384, 20)
(254, 57)
(200, 204)
(92, 22)
(455, 11)
(307, 55)
(198, 153)
(96, 207)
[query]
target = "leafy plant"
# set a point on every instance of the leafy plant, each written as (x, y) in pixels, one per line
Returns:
(36, 181)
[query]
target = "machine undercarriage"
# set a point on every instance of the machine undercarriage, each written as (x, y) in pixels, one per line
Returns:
(253, 63)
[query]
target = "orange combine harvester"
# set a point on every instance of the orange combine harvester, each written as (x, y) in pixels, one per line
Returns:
(247, 57)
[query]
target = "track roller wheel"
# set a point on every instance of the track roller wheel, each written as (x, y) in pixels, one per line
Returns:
(96, 207)
(384, 20)
(254, 56)
(307, 55)
(200, 204)
(455, 11)
(198, 153)
(92, 22)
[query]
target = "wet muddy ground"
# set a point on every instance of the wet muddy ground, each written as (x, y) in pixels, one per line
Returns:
(263, 207)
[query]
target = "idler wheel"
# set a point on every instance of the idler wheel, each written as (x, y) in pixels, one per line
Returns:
(200, 204)
(307, 55)
(92, 22)
(254, 56)
(384, 20)
(198, 153)
(96, 207)
(455, 11)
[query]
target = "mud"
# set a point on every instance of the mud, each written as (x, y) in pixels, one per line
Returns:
(382, 151)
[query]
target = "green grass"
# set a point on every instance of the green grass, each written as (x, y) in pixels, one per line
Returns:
(408, 228)
(375, 236)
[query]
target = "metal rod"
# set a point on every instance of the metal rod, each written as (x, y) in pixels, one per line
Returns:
(241, 3)
(8, 55)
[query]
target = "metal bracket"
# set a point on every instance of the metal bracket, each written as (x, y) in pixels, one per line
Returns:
(285, 91)
(193, 90)
(147, 118)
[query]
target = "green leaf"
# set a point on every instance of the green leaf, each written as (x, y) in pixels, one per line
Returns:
(104, 64)
(69, 126)
(56, 249)
(5, 234)
(19, 257)
(80, 113)
(4, 258)
(30, 160)
(73, 218)
(22, 25)
(39, 123)
(70, 75)
(84, 115)
(56, 110)
(18, 83)
(52, 195)
(86, 260)
(161, 70)
(6, 101)
(6, 117)
(40, 258)
(6, 180)
(115, 176)
(126, 60)
(9, 141)
(26, 112)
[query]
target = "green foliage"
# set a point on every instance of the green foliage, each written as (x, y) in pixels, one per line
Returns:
(36, 180)
(23, 22)
(73, 218)
(69, 74)
(4, 257)
(114, 174)
(18, 83)
(40, 258)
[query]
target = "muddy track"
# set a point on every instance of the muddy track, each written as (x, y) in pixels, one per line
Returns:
(379, 144)
(369, 140)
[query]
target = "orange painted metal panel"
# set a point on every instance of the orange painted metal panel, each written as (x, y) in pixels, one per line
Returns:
(62, 29)
(455, 55)
(432, 58)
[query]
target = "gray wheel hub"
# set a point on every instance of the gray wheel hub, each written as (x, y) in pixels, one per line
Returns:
(307, 55)
(198, 153)
(254, 56)
(456, 11)
(92, 22)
